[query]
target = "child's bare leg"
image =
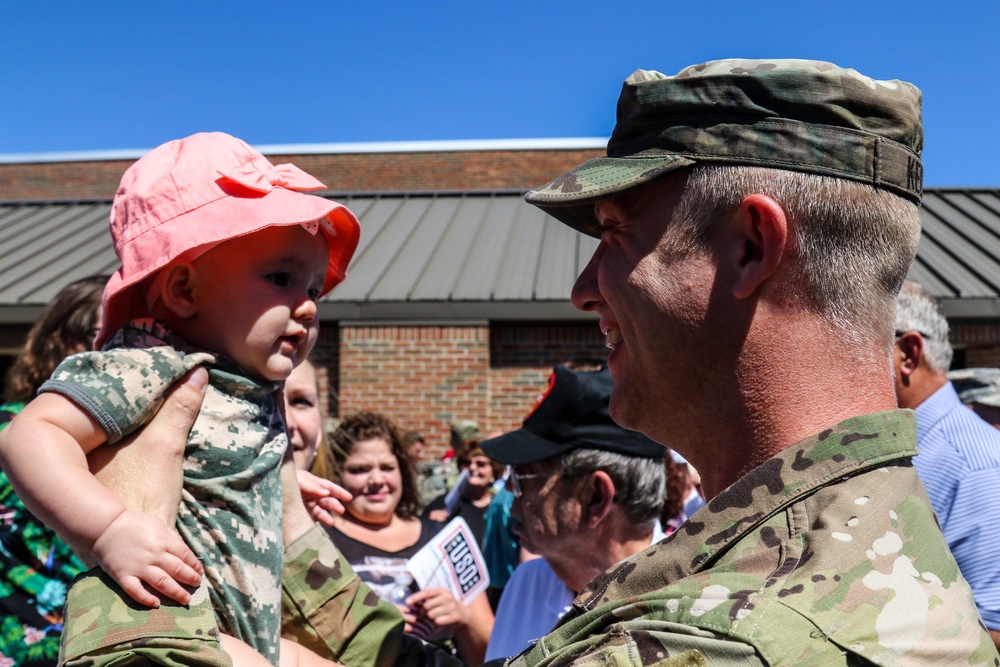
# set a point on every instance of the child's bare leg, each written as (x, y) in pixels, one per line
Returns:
(296, 655)
(292, 654)
(242, 654)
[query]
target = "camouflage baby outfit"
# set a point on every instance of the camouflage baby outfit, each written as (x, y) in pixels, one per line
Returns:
(230, 513)
(827, 554)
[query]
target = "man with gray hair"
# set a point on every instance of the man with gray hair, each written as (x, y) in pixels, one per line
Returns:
(959, 460)
(587, 494)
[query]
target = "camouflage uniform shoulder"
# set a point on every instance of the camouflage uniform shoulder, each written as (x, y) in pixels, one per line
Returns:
(829, 549)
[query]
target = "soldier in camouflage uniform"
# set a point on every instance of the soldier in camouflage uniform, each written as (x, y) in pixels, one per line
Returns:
(756, 221)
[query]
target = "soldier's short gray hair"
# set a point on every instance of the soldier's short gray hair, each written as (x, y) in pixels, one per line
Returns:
(854, 242)
(640, 483)
(917, 310)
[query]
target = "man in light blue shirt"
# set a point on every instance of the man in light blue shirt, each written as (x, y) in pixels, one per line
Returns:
(959, 453)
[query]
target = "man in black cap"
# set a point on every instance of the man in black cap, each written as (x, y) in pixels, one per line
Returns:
(587, 496)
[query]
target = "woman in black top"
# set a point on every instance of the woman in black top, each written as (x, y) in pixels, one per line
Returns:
(380, 530)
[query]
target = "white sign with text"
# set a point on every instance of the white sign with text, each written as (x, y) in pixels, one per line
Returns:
(451, 560)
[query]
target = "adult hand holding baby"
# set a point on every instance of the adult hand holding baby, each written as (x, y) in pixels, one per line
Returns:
(145, 472)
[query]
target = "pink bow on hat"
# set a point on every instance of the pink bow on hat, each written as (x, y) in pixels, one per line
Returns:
(286, 176)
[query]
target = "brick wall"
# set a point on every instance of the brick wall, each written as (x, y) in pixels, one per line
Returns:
(12, 337)
(360, 172)
(521, 358)
(978, 343)
(425, 377)
(982, 356)
(326, 358)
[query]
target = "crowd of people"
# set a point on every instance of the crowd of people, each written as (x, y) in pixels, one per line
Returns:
(386, 520)
(756, 221)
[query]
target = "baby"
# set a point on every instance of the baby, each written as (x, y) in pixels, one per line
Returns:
(223, 260)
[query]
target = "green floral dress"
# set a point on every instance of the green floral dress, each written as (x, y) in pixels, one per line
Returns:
(37, 568)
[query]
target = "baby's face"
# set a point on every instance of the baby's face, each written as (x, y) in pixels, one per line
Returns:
(256, 299)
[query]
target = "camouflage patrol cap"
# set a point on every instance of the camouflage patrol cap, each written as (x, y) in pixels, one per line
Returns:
(802, 115)
(463, 430)
(977, 385)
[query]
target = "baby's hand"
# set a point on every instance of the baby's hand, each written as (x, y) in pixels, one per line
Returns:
(137, 549)
(321, 496)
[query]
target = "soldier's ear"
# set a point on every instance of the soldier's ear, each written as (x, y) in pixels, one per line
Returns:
(755, 243)
(178, 287)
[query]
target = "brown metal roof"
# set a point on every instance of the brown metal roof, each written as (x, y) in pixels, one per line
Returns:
(469, 256)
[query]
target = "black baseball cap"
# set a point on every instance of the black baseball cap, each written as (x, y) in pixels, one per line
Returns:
(571, 414)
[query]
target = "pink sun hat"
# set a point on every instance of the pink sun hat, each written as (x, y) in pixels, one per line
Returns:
(194, 193)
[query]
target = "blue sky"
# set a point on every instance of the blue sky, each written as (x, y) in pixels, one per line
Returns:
(100, 75)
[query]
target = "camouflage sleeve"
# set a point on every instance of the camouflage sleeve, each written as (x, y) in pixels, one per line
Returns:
(120, 389)
(327, 608)
(668, 645)
(104, 627)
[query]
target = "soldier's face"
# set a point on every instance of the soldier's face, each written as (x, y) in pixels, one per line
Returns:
(255, 299)
(651, 290)
(371, 474)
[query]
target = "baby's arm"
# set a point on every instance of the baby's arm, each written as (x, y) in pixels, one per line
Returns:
(44, 453)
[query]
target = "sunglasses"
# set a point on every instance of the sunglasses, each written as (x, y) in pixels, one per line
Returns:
(515, 478)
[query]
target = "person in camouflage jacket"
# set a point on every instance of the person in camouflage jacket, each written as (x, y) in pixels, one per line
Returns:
(756, 219)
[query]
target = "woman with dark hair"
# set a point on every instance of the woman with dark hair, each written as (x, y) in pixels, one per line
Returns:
(477, 476)
(66, 326)
(35, 565)
(365, 456)
(381, 529)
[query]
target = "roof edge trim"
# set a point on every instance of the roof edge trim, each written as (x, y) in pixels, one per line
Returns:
(568, 143)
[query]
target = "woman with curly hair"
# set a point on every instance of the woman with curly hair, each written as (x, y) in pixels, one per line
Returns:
(381, 529)
(35, 565)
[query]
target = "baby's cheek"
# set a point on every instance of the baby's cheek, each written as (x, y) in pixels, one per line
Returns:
(308, 344)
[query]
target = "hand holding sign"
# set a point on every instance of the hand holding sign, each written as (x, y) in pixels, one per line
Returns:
(451, 560)
(452, 575)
